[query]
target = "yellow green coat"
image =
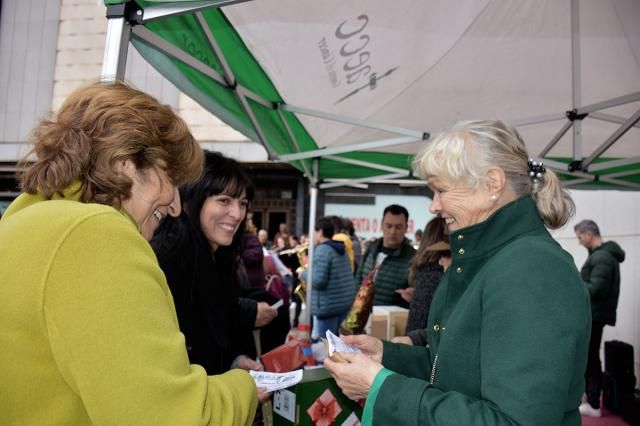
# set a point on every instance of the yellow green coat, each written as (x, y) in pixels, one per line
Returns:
(88, 330)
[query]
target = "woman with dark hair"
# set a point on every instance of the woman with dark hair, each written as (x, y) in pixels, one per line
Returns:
(199, 252)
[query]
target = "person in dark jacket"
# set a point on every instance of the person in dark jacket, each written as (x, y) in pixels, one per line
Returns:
(199, 252)
(332, 285)
(509, 325)
(601, 276)
(253, 256)
(391, 254)
(424, 276)
(355, 242)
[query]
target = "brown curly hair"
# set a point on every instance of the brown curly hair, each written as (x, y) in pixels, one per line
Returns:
(96, 127)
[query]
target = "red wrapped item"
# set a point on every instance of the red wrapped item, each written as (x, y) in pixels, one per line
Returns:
(287, 357)
(358, 315)
(325, 409)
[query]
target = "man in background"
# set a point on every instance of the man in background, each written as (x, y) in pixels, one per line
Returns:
(391, 255)
(263, 237)
(601, 276)
(417, 237)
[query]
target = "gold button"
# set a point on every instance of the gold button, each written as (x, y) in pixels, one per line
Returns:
(461, 251)
(460, 237)
(459, 269)
(436, 328)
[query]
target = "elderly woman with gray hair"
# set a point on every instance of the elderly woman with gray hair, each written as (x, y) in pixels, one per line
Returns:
(509, 325)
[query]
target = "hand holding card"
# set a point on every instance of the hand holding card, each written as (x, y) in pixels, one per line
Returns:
(337, 345)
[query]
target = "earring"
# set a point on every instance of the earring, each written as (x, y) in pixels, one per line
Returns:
(494, 197)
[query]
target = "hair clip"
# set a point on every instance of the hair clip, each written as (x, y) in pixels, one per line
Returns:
(536, 170)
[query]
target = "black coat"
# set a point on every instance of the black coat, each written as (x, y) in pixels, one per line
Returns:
(601, 276)
(216, 322)
(425, 284)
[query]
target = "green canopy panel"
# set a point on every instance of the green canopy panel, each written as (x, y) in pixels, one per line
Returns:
(349, 91)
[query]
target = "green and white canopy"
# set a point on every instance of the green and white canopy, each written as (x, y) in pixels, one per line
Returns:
(349, 90)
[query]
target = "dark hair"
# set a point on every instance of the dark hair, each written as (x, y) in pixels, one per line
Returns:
(587, 225)
(396, 209)
(433, 233)
(326, 225)
(99, 125)
(338, 223)
(348, 226)
(221, 175)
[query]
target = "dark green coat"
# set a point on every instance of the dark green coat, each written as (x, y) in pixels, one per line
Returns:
(601, 275)
(392, 275)
(510, 326)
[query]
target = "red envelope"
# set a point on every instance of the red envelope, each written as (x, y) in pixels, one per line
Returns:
(287, 357)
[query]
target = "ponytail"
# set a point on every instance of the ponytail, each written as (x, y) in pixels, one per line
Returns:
(553, 201)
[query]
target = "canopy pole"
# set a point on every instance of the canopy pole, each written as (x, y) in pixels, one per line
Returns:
(350, 148)
(611, 139)
(419, 135)
(576, 77)
(114, 61)
(181, 7)
(313, 202)
(556, 138)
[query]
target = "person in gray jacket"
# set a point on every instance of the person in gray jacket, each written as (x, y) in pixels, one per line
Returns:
(601, 276)
(332, 288)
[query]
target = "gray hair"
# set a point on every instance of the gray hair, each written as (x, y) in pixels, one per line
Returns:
(587, 225)
(263, 232)
(464, 152)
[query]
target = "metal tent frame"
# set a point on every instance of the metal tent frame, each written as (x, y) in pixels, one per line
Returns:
(127, 23)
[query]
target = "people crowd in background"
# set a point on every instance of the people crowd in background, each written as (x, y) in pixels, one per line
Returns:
(263, 238)
(389, 256)
(281, 239)
(252, 256)
(356, 244)
(425, 272)
(89, 331)
(332, 280)
(508, 327)
(601, 276)
(340, 234)
(417, 238)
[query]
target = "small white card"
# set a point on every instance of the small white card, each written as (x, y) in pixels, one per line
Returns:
(336, 344)
(279, 303)
(274, 381)
(352, 420)
(284, 404)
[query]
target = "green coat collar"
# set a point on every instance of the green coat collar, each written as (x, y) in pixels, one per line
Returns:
(505, 224)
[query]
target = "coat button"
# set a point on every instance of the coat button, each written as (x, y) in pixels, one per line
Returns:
(461, 251)
(460, 237)
(459, 269)
(436, 327)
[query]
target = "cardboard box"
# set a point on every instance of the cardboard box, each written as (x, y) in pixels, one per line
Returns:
(388, 322)
(317, 394)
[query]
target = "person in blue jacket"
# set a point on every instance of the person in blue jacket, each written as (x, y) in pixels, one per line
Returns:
(332, 287)
(509, 325)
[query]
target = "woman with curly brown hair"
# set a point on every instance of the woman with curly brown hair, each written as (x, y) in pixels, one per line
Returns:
(89, 331)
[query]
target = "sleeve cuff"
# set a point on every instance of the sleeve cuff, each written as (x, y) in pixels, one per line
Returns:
(367, 414)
